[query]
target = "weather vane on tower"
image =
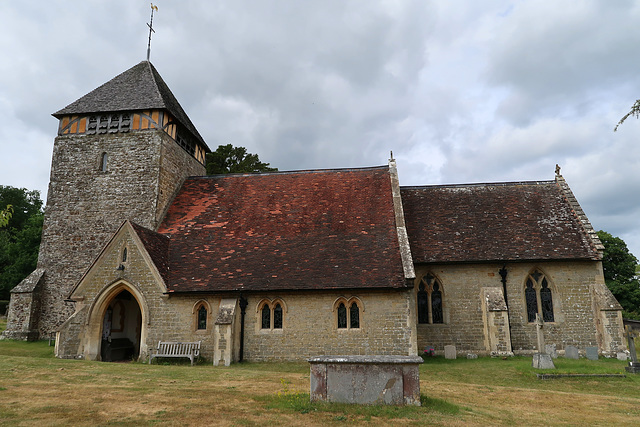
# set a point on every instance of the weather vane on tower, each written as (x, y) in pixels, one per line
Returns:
(151, 30)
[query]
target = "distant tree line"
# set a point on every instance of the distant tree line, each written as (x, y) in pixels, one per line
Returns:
(620, 274)
(19, 237)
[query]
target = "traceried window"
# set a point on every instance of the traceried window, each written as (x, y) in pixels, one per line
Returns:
(348, 313)
(430, 300)
(271, 314)
(538, 297)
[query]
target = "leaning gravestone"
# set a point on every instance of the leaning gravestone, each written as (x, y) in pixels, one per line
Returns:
(449, 351)
(634, 365)
(592, 353)
(542, 361)
(551, 350)
(571, 352)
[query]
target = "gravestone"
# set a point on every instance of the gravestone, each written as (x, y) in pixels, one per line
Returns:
(541, 359)
(571, 352)
(472, 356)
(366, 380)
(634, 366)
(449, 351)
(592, 353)
(622, 355)
(551, 350)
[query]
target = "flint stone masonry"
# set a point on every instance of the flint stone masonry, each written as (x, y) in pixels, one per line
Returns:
(389, 380)
(592, 353)
(86, 205)
(579, 295)
(571, 352)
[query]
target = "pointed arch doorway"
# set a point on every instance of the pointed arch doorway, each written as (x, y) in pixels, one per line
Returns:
(121, 327)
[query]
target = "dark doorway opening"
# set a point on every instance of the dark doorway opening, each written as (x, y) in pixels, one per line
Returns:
(121, 326)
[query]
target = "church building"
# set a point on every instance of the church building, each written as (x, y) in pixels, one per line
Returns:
(140, 245)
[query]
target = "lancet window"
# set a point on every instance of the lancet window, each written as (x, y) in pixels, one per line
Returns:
(271, 314)
(348, 313)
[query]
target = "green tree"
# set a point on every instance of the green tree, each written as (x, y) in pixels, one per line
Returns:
(635, 112)
(230, 159)
(619, 267)
(5, 216)
(20, 238)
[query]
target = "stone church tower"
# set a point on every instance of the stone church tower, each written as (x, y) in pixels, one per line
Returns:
(121, 153)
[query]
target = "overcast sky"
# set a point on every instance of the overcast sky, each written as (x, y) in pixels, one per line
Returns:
(461, 91)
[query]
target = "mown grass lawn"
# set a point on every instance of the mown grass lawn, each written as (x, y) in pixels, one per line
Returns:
(38, 389)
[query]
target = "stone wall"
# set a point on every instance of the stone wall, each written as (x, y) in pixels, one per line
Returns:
(163, 318)
(570, 283)
(309, 319)
(85, 205)
(310, 326)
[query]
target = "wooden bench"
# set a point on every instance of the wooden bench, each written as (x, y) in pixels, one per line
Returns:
(190, 350)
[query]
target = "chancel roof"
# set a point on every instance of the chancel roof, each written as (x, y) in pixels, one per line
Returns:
(139, 88)
(495, 222)
(307, 230)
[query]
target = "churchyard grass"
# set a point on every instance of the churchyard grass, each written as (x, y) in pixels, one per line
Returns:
(38, 389)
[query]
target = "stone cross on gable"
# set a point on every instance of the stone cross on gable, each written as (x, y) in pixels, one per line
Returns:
(539, 326)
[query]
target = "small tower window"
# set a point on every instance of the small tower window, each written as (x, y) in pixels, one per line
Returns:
(103, 162)
(124, 255)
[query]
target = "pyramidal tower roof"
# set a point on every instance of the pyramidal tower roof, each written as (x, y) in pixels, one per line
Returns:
(139, 88)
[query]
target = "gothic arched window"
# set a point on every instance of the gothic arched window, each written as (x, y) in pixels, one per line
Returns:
(277, 317)
(266, 317)
(348, 312)
(342, 316)
(271, 314)
(538, 297)
(202, 317)
(430, 300)
(354, 316)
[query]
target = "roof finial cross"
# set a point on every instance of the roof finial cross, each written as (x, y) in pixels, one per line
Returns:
(151, 30)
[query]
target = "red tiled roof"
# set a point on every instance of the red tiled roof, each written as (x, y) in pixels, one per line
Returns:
(330, 229)
(493, 222)
(157, 247)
